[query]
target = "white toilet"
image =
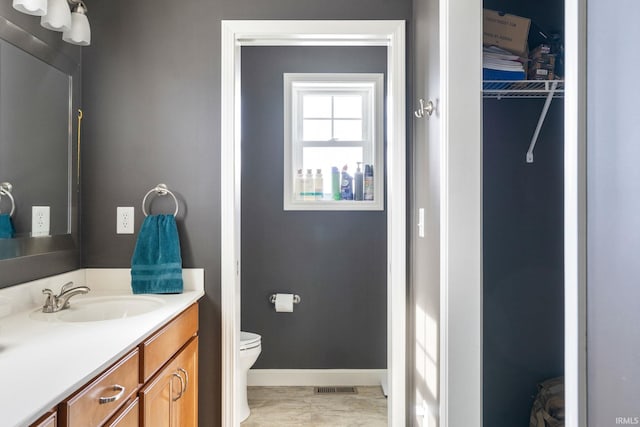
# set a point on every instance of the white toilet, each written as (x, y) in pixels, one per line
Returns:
(250, 348)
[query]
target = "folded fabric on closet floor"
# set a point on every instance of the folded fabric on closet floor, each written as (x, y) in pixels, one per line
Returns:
(156, 265)
(6, 227)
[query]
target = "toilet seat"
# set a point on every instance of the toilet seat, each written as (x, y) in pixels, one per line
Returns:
(249, 340)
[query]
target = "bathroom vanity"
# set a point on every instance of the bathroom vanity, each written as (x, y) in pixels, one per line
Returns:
(112, 358)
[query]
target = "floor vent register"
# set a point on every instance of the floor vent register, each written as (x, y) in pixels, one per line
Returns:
(335, 390)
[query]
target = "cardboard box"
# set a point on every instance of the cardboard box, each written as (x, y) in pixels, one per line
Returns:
(509, 32)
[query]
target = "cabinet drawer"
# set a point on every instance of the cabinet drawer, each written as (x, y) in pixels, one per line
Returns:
(102, 397)
(158, 349)
(129, 416)
(48, 420)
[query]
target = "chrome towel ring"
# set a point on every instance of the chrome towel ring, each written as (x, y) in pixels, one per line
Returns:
(5, 190)
(160, 190)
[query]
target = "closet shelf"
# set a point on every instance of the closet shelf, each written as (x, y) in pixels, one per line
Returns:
(523, 89)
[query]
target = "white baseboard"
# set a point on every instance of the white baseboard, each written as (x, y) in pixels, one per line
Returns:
(316, 377)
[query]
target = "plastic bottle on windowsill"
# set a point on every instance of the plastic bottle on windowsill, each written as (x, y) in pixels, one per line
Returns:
(298, 188)
(346, 185)
(318, 184)
(309, 191)
(335, 183)
(368, 182)
(358, 189)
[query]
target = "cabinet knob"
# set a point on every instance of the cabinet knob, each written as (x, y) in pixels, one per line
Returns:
(113, 398)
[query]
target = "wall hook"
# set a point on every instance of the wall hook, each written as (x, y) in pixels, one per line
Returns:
(427, 109)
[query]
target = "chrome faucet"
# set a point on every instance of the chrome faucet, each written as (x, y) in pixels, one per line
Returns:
(59, 302)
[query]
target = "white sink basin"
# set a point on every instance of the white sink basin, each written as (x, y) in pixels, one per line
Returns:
(102, 308)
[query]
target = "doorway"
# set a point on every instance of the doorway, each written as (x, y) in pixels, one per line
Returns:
(390, 34)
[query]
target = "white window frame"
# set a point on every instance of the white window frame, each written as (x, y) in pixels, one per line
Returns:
(296, 85)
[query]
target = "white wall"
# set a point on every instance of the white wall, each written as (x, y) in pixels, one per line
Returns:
(613, 218)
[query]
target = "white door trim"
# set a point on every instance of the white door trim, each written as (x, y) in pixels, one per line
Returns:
(327, 33)
(575, 214)
(460, 214)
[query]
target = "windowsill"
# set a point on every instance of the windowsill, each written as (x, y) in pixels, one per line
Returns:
(333, 205)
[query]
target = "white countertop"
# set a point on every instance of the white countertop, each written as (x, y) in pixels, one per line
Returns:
(43, 362)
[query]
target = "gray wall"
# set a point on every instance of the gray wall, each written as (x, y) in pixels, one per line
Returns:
(613, 222)
(523, 317)
(152, 114)
(336, 261)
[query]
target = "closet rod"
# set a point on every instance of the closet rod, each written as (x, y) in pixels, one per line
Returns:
(543, 115)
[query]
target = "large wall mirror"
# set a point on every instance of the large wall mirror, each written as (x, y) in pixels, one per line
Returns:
(39, 98)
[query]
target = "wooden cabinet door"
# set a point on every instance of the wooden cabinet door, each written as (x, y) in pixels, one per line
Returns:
(171, 397)
(186, 407)
(157, 398)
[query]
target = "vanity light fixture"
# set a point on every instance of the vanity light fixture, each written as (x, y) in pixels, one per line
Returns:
(80, 31)
(31, 7)
(58, 16)
(67, 16)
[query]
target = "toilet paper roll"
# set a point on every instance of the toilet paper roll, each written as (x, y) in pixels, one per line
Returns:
(284, 303)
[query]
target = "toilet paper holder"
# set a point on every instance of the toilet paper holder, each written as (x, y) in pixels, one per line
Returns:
(296, 299)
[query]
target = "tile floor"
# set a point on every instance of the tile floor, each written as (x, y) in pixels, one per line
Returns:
(299, 406)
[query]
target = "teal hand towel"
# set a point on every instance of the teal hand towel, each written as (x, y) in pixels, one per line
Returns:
(156, 265)
(6, 227)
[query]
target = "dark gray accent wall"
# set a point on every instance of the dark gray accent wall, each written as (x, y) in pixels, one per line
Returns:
(336, 261)
(152, 114)
(613, 219)
(523, 244)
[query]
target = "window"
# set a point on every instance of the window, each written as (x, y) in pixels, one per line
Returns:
(333, 142)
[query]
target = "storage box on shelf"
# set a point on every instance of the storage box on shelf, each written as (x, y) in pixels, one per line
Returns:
(510, 32)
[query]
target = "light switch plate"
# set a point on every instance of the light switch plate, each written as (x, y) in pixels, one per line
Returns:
(40, 220)
(124, 220)
(421, 222)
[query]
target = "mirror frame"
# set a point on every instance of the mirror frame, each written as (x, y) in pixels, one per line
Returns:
(39, 257)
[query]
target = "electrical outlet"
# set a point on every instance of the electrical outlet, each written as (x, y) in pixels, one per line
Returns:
(40, 220)
(124, 221)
